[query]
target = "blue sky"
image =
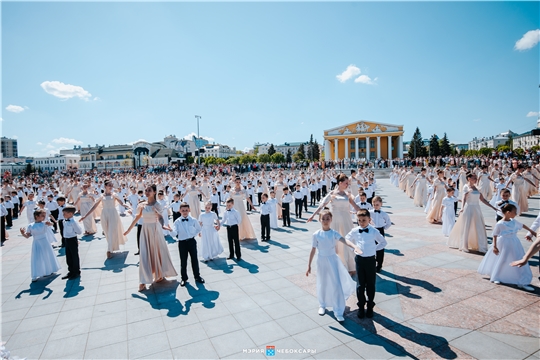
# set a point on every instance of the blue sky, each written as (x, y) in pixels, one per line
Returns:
(264, 72)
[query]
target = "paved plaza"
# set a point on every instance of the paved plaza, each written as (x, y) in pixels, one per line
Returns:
(431, 303)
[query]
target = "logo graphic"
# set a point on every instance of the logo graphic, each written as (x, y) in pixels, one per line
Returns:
(270, 350)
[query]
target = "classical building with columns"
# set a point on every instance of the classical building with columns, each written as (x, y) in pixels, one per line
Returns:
(364, 139)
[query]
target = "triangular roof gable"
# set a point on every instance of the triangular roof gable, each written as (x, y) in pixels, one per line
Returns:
(362, 121)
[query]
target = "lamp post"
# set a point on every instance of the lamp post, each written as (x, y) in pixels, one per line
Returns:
(198, 151)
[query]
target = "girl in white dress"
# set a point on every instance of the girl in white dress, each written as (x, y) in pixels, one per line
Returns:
(469, 232)
(210, 244)
(43, 261)
(273, 210)
(505, 249)
(85, 203)
(334, 284)
(447, 212)
(420, 192)
(340, 201)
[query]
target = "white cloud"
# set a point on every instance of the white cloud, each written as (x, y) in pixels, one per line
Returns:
(533, 113)
(67, 141)
(477, 120)
(349, 73)
(39, 143)
(1, 119)
(191, 135)
(14, 137)
(364, 79)
(65, 91)
(528, 41)
(14, 108)
(97, 99)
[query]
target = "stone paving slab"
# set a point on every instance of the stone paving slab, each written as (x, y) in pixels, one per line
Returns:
(431, 303)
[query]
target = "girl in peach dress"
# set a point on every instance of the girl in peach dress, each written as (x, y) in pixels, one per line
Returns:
(155, 262)
(439, 192)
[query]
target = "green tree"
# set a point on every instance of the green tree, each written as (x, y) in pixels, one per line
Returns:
(310, 148)
(256, 150)
(271, 150)
(316, 152)
(264, 158)
(434, 146)
(485, 151)
(288, 158)
(503, 148)
(278, 158)
(302, 151)
(416, 148)
(444, 145)
(29, 169)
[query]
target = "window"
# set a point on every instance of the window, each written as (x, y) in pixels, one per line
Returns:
(372, 155)
(362, 144)
(352, 145)
(372, 143)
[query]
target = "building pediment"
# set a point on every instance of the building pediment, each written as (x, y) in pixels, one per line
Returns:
(364, 127)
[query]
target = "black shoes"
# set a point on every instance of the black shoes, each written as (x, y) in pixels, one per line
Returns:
(182, 282)
(200, 280)
(230, 258)
(361, 313)
(137, 253)
(369, 312)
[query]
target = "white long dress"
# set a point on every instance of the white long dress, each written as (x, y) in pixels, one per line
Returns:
(42, 260)
(245, 229)
(334, 284)
(510, 249)
(342, 223)
(449, 215)
(210, 245)
(469, 232)
(111, 223)
(273, 213)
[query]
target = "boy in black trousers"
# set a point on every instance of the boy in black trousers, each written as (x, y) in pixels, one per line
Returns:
(231, 219)
(265, 218)
(369, 240)
(70, 230)
(286, 201)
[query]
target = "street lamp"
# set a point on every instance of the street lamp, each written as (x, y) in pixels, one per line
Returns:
(199, 156)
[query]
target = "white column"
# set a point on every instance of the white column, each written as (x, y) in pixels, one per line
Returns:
(400, 147)
(389, 147)
(346, 148)
(326, 150)
(356, 148)
(335, 149)
(367, 148)
(378, 147)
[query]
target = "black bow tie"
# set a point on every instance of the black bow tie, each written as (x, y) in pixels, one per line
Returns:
(66, 220)
(184, 219)
(363, 230)
(362, 203)
(228, 209)
(378, 211)
(264, 203)
(504, 202)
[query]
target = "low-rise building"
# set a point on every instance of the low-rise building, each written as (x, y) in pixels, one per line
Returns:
(262, 148)
(57, 162)
(219, 151)
(106, 158)
(292, 146)
(491, 142)
(528, 139)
